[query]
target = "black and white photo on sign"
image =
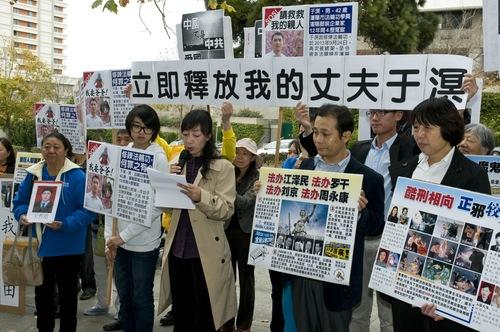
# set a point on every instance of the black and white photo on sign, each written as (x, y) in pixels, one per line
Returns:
(203, 35)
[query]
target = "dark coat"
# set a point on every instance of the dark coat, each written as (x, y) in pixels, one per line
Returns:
(463, 173)
(371, 222)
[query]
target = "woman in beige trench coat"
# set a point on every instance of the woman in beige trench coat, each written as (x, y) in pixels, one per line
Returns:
(197, 277)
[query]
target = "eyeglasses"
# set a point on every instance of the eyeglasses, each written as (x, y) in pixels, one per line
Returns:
(137, 129)
(380, 114)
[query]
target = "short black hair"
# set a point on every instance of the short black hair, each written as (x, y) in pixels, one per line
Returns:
(63, 139)
(148, 115)
(345, 121)
(11, 159)
(497, 235)
(440, 112)
(278, 34)
(47, 189)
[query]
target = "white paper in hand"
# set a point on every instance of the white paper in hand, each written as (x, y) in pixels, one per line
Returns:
(167, 193)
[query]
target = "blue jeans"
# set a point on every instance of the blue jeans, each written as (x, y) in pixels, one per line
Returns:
(134, 277)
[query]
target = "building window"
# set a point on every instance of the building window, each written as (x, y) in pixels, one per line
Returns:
(24, 12)
(57, 71)
(58, 30)
(58, 51)
(24, 34)
(58, 61)
(456, 20)
(58, 19)
(58, 40)
(24, 23)
(25, 46)
(28, 2)
(58, 9)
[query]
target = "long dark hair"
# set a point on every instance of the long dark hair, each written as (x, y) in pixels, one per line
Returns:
(11, 159)
(202, 118)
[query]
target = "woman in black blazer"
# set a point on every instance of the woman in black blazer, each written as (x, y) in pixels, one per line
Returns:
(437, 129)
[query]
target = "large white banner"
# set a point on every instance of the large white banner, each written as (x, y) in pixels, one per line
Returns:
(397, 82)
(491, 35)
(441, 245)
(305, 223)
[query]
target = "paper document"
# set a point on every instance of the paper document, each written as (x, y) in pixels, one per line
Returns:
(168, 194)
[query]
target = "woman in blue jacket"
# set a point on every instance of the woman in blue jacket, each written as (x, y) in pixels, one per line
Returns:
(63, 240)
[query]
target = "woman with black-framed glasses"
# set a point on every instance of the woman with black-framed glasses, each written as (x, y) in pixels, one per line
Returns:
(135, 247)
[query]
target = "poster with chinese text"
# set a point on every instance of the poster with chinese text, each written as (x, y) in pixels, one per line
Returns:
(46, 120)
(441, 245)
(491, 165)
(305, 223)
(205, 35)
(23, 161)
(117, 183)
(356, 81)
(9, 295)
(120, 104)
(96, 99)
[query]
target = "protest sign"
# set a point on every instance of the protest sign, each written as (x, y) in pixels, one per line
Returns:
(441, 245)
(6, 185)
(310, 30)
(205, 35)
(371, 82)
(491, 165)
(66, 119)
(491, 35)
(44, 201)
(305, 223)
(117, 182)
(11, 297)
(23, 161)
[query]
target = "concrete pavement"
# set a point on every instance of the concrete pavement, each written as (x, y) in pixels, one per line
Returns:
(27, 322)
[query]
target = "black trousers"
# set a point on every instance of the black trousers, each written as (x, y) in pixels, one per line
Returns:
(277, 320)
(410, 319)
(63, 272)
(190, 301)
(239, 242)
(86, 272)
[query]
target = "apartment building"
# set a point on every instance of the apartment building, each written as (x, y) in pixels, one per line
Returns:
(38, 26)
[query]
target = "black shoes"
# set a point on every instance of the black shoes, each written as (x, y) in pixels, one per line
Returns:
(87, 294)
(113, 326)
(168, 319)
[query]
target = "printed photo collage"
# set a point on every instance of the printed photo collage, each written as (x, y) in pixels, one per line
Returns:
(301, 227)
(444, 251)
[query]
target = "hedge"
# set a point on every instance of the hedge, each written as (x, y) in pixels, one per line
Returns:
(490, 113)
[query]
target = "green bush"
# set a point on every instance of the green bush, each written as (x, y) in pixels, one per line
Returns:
(101, 135)
(169, 121)
(248, 113)
(23, 134)
(268, 159)
(253, 131)
(490, 117)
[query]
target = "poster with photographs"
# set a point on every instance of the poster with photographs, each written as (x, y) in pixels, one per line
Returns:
(11, 297)
(46, 120)
(310, 30)
(117, 183)
(97, 99)
(65, 119)
(441, 245)
(23, 161)
(205, 35)
(43, 202)
(6, 185)
(491, 165)
(305, 223)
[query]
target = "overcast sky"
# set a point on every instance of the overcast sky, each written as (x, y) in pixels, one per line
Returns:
(99, 40)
